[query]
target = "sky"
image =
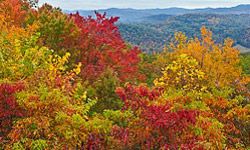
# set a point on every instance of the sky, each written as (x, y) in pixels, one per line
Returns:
(140, 4)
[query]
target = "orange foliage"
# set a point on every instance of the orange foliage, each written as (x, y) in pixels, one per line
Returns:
(219, 62)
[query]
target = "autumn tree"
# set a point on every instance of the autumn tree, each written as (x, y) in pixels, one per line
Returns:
(102, 47)
(71, 82)
(183, 73)
(10, 109)
(200, 70)
(96, 43)
(159, 125)
(219, 62)
(57, 109)
(13, 11)
(57, 30)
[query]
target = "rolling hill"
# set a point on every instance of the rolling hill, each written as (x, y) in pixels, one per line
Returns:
(151, 29)
(152, 37)
(140, 15)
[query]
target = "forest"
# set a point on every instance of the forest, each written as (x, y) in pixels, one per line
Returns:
(156, 31)
(72, 82)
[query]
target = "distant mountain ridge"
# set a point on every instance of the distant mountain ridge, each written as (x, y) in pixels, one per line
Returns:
(151, 29)
(140, 15)
(153, 36)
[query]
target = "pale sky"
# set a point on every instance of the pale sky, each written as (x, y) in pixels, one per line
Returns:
(140, 4)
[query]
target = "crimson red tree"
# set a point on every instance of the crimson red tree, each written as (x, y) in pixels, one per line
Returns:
(157, 126)
(9, 109)
(101, 48)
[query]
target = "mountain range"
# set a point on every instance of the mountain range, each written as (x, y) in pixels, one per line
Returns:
(141, 15)
(151, 29)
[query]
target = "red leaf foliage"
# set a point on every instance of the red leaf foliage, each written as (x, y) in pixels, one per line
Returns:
(158, 126)
(9, 109)
(13, 11)
(102, 47)
(137, 97)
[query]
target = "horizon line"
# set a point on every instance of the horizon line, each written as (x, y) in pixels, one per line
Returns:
(188, 8)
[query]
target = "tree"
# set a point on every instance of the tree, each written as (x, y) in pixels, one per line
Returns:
(159, 125)
(183, 73)
(57, 30)
(13, 11)
(219, 62)
(9, 109)
(101, 47)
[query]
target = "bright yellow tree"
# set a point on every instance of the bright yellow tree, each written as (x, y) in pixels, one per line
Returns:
(183, 73)
(219, 62)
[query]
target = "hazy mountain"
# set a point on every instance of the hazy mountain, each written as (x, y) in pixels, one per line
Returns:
(150, 29)
(142, 15)
(152, 37)
(156, 18)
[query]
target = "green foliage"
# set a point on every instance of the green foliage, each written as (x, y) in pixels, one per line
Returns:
(245, 63)
(118, 117)
(39, 145)
(55, 28)
(148, 68)
(104, 89)
(22, 57)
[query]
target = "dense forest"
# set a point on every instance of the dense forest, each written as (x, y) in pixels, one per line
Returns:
(152, 35)
(71, 82)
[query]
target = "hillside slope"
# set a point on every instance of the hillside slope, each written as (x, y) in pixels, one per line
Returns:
(141, 15)
(154, 36)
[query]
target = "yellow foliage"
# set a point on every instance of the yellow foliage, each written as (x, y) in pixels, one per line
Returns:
(218, 62)
(17, 50)
(183, 73)
(56, 65)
